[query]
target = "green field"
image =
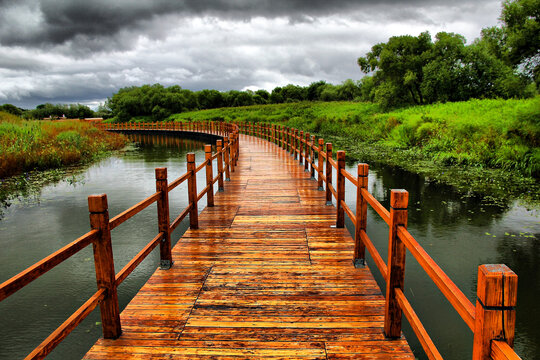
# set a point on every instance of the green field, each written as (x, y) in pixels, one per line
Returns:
(30, 145)
(495, 139)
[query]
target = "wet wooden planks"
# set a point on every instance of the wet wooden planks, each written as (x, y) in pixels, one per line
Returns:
(265, 276)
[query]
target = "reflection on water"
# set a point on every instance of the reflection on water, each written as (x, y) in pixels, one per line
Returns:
(460, 232)
(56, 214)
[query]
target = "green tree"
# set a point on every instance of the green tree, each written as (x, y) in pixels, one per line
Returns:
(398, 63)
(521, 20)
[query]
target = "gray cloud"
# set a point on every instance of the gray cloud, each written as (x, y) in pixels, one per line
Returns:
(83, 51)
(85, 23)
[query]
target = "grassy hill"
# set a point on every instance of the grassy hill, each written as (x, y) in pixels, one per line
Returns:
(490, 139)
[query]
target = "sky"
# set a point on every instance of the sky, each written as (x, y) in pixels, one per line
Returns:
(83, 51)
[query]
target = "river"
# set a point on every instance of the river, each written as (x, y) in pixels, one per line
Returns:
(460, 231)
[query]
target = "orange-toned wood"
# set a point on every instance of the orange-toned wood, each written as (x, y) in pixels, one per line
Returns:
(232, 156)
(399, 200)
(500, 350)
(449, 289)
(306, 153)
(376, 205)
(421, 333)
(163, 218)
(129, 267)
(360, 226)
(301, 147)
(192, 192)
(227, 161)
(132, 211)
(178, 181)
(25, 277)
(377, 258)
(340, 183)
(67, 327)
(349, 177)
(104, 265)
(328, 174)
(320, 165)
(209, 175)
(312, 157)
(495, 316)
(180, 217)
(265, 276)
(219, 145)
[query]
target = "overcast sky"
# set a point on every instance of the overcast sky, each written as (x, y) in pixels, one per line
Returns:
(65, 51)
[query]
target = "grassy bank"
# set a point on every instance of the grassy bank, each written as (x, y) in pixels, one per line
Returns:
(28, 145)
(495, 141)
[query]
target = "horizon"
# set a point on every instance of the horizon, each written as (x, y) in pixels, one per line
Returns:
(83, 52)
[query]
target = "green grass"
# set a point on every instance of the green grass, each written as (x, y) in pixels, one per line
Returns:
(502, 134)
(28, 145)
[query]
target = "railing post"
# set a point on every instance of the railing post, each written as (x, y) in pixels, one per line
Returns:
(296, 145)
(163, 218)
(104, 264)
(312, 156)
(219, 145)
(495, 316)
(226, 152)
(340, 182)
(300, 147)
(399, 200)
(328, 173)
(359, 259)
(320, 164)
(192, 192)
(231, 148)
(209, 175)
(306, 154)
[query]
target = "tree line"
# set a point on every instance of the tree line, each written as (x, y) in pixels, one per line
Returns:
(503, 63)
(158, 102)
(406, 70)
(47, 110)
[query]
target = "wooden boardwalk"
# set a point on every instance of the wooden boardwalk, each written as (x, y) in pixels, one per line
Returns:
(265, 276)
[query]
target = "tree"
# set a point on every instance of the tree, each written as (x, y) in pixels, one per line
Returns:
(398, 63)
(521, 20)
(314, 90)
(12, 109)
(348, 90)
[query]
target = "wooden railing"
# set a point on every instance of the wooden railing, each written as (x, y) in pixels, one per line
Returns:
(100, 235)
(492, 319)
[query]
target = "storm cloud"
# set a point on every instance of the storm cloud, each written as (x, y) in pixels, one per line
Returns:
(83, 51)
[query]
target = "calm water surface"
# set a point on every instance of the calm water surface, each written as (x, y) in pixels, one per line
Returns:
(460, 231)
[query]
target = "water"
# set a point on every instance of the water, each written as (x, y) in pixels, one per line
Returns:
(460, 231)
(34, 226)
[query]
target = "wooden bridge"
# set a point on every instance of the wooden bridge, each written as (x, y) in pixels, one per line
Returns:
(267, 269)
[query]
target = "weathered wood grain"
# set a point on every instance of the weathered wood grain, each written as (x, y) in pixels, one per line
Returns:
(264, 276)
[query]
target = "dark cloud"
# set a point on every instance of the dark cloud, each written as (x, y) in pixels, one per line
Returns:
(83, 51)
(86, 23)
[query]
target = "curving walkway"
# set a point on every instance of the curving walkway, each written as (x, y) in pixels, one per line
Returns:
(265, 276)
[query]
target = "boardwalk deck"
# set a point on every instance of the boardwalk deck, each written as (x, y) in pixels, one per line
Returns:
(265, 276)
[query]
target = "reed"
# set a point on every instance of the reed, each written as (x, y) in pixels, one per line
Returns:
(38, 145)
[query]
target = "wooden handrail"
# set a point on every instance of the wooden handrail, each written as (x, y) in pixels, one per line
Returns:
(418, 328)
(30, 274)
(141, 255)
(132, 211)
(500, 350)
(450, 290)
(99, 236)
(401, 239)
(67, 326)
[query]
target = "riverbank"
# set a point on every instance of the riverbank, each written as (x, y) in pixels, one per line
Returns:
(487, 146)
(39, 145)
